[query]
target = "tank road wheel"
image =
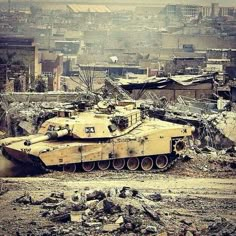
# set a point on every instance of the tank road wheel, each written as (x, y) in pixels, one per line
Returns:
(133, 163)
(147, 163)
(118, 164)
(103, 165)
(162, 161)
(69, 168)
(88, 166)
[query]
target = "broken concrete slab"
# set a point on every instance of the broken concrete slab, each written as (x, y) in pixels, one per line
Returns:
(91, 203)
(110, 227)
(151, 229)
(76, 216)
(120, 220)
(151, 213)
(92, 224)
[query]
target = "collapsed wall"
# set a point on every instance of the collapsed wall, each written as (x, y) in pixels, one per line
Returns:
(225, 122)
(216, 130)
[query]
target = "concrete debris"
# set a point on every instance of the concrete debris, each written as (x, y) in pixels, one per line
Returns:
(222, 227)
(110, 208)
(151, 213)
(23, 118)
(60, 217)
(92, 224)
(91, 203)
(151, 229)
(128, 192)
(110, 227)
(117, 216)
(213, 130)
(156, 197)
(99, 195)
(120, 220)
(25, 199)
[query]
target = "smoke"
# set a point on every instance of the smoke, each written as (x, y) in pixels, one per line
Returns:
(6, 167)
(9, 169)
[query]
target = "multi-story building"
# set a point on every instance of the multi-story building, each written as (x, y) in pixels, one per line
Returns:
(13, 78)
(20, 51)
(185, 10)
(52, 68)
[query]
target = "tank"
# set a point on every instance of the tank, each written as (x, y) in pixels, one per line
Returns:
(107, 135)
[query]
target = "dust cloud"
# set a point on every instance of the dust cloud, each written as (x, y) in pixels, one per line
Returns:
(6, 167)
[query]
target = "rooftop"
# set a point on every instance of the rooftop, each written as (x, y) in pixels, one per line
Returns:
(77, 8)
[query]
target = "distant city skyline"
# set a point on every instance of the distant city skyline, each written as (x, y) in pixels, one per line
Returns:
(156, 2)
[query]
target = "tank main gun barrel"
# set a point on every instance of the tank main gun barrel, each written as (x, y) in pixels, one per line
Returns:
(47, 136)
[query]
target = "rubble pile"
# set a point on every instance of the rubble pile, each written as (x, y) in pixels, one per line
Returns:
(213, 128)
(25, 118)
(123, 211)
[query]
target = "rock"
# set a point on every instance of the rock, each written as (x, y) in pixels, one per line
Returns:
(65, 231)
(134, 220)
(87, 212)
(155, 197)
(151, 213)
(33, 222)
(163, 234)
(78, 207)
(58, 195)
(51, 205)
(99, 206)
(75, 197)
(188, 233)
(208, 149)
(99, 195)
(3, 189)
(76, 216)
(60, 217)
(128, 192)
(187, 222)
(120, 220)
(91, 203)
(110, 208)
(112, 192)
(50, 200)
(132, 210)
(110, 227)
(92, 224)
(25, 199)
(186, 158)
(129, 226)
(151, 229)
(45, 213)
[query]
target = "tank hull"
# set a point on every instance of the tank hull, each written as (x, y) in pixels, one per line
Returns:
(152, 138)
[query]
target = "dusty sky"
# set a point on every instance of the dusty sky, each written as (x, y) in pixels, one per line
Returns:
(161, 2)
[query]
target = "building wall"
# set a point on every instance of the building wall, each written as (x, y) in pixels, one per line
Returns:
(200, 42)
(11, 75)
(53, 69)
(172, 95)
(25, 55)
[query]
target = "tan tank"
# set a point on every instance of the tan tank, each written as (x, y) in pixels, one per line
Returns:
(116, 136)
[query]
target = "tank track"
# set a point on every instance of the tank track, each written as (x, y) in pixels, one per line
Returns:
(174, 158)
(39, 166)
(171, 163)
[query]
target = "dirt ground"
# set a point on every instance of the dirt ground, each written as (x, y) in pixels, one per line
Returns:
(197, 197)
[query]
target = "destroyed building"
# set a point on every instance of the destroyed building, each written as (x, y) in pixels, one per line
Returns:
(193, 86)
(21, 51)
(52, 68)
